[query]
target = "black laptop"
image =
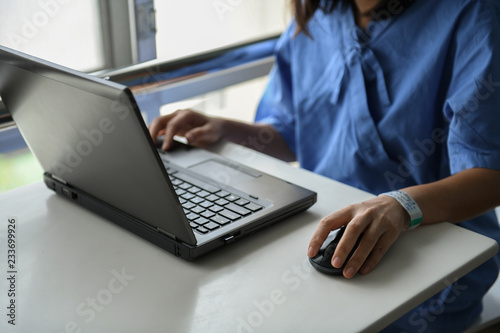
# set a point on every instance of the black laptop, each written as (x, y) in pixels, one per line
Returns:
(95, 150)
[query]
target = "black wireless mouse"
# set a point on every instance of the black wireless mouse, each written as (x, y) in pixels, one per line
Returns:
(323, 260)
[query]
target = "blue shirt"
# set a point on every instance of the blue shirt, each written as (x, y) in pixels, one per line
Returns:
(412, 99)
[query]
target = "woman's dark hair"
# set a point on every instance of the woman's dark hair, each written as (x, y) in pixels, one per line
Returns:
(304, 10)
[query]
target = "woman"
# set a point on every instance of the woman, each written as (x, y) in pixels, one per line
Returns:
(387, 95)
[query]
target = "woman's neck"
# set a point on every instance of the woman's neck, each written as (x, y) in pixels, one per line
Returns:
(362, 12)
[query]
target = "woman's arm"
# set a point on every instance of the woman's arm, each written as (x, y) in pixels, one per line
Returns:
(459, 197)
(203, 131)
(382, 219)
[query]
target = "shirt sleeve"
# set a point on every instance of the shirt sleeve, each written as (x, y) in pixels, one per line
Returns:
(276, 105)
(473, 100)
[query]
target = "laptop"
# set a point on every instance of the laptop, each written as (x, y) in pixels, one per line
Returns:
(95, 150)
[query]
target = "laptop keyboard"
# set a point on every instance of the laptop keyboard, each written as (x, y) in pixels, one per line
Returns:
(207, 207)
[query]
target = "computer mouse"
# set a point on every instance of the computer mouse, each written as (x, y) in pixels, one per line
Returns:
(323, 260)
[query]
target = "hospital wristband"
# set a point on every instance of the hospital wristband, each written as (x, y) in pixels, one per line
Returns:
(409, 205)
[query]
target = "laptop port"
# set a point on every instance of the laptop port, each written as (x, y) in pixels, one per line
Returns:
(66, 192)
(231, 237)
(70, 194)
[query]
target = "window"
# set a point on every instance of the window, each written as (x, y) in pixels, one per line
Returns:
(84, 35)
(65, 32)
(196, 26)
(96, 35)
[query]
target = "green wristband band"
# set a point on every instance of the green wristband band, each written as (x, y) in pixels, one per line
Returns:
(409, 205)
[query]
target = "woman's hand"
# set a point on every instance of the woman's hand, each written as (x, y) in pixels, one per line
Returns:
(202, 131)
(381, 220)
(198, 129)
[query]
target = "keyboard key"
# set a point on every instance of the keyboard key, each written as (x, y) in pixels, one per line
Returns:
(253, 207)
(206, 204)
(184, 186)
(192, 216)
(198, 210)
(230, 215)
(202, 194)
(194, 189)
(179, 191)
(212, 197)
(220, 220)
(238, 209)
(222, 193)
(202, 230)
(241, 202)
(188, 196)
(202, 221)
(193, 225)
(216, 208)
(211, 226)
(222, 202)
(232, 197)
(188, 205)
(197, 200)
(176, 182)
(207, 214)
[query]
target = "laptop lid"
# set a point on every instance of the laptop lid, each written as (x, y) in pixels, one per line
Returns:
(88, 132)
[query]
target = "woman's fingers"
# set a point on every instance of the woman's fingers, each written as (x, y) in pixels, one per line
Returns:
(177, 123)
(345, 247)
(326, 225)
(157, 126)
(378, 251)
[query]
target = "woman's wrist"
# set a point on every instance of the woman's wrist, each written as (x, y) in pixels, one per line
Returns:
(409, 205)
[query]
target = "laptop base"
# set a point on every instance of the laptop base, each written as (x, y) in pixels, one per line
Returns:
(147, 232)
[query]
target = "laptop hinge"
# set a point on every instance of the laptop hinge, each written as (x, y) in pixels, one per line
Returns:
(165, 233)
(59, 179)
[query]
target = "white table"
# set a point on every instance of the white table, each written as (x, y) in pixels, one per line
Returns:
(77, 272)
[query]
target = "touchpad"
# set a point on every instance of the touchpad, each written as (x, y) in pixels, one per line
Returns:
(224, 172)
